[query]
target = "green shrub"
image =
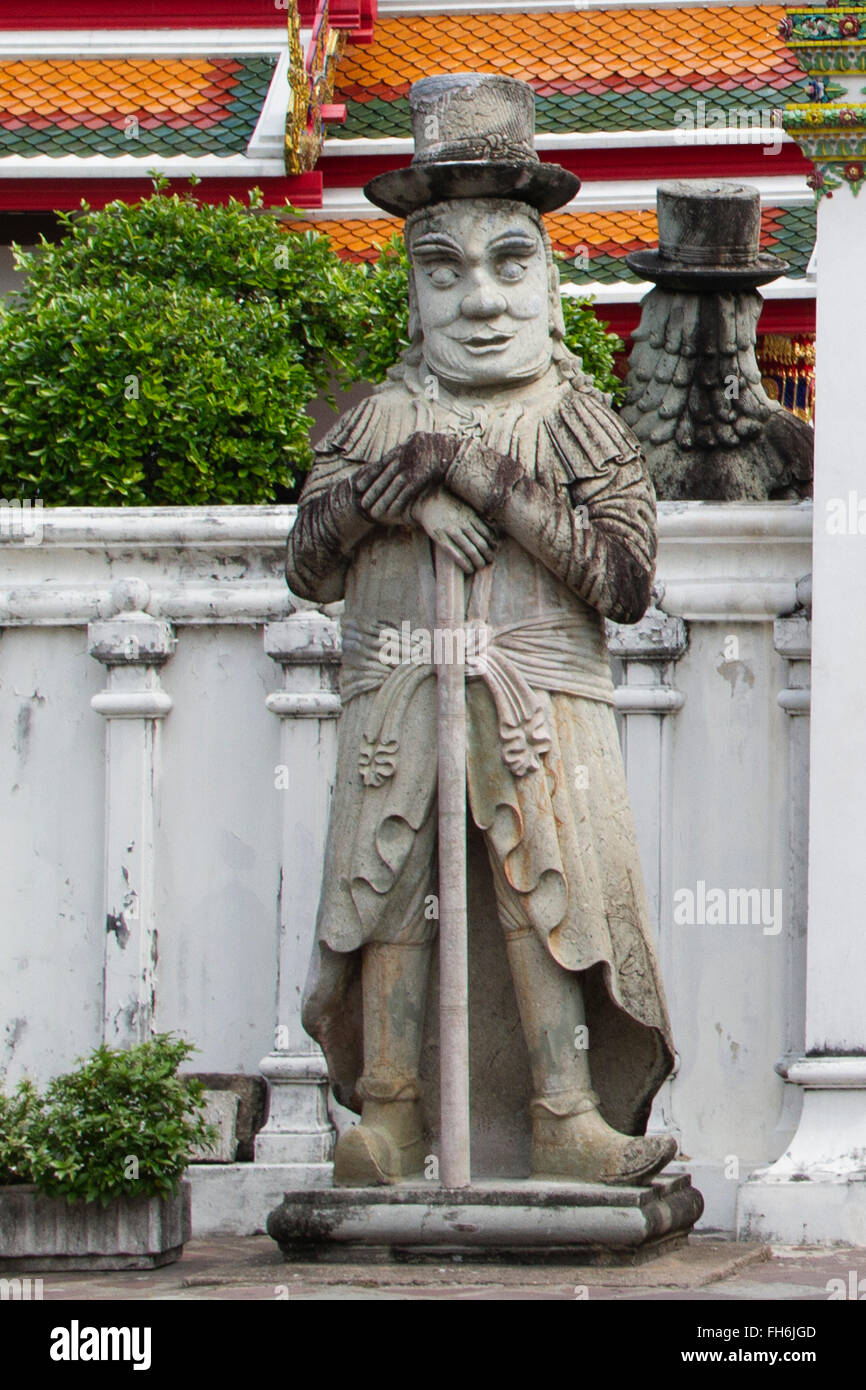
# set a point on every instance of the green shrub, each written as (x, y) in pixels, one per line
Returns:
(20, 1121)
(122, 1124)
(589, 339)
(164, 354)
(385, 322)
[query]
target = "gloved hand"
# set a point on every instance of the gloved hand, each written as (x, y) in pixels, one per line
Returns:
(386, 489)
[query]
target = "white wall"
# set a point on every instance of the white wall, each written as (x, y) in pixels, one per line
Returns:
(711, 785)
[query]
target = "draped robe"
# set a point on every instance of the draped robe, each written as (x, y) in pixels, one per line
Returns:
(545, 778)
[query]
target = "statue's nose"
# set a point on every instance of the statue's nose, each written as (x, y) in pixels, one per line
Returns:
(484, 302)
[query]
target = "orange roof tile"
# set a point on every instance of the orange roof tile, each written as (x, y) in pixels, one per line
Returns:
(84, 106)
(705, 41)
(603, 238)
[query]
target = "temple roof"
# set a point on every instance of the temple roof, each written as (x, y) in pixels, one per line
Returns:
(620, 94)
(117, 106)
(89, 111)
(599, 241)
(592, 70)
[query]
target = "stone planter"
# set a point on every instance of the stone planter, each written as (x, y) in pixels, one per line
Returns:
(47, 1233)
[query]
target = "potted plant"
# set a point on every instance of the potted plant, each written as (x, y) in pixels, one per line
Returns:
(91, 1172)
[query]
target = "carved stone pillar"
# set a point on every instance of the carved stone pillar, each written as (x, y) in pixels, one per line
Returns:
(793, 640)
(816, 1191)
(649, 651)
(132, 646)
(307, 647)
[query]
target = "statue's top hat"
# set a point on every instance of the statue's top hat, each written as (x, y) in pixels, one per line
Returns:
(474, 138)
(708, 239)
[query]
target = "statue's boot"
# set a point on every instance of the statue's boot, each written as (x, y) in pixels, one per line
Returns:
(584, 1148)
(388, 1145)
(570, 1138)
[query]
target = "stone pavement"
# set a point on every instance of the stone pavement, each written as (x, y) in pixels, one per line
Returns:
(250, 1268)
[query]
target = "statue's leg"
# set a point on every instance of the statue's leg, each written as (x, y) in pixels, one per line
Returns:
(570, 1139)
(388, 1144)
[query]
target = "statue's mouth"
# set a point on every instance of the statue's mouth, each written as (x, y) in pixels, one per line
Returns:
(487, 342)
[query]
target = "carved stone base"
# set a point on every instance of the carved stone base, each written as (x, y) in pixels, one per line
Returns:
(815, 1194)
(521, 1221)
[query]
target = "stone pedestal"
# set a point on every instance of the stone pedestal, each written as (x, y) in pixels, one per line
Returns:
(527, 1222)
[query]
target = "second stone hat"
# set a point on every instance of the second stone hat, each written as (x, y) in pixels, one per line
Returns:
(708, 239)
(474, 138)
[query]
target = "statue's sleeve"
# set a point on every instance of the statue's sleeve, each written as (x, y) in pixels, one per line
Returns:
(328, 526)
(330, 523)
(601, 543)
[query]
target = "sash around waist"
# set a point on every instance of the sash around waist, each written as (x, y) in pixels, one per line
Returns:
(552, 651)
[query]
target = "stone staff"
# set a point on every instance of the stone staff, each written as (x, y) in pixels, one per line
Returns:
(454, 1164)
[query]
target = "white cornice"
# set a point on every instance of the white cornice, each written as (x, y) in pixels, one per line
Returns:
(393, 9)
(222, 527)
(583, 140)
(733, 560)
(269, 136)
(141, 43)
(596, 195)
(620, 292)
(73, 166)
(632, 292)
(206, 565)
(202, 565)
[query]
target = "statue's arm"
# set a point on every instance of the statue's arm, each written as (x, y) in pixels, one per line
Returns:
(328, 527)
(602, 545)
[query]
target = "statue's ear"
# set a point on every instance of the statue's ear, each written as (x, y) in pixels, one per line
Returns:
(414, 329)
(557, 318)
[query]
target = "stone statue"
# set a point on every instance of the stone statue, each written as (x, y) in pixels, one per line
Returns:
(708, 429)
(490, 441)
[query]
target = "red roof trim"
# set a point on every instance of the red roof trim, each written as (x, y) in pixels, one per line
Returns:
(777, 316)
(64, 195)
(624, 162)
(144, 14)
(358, 16)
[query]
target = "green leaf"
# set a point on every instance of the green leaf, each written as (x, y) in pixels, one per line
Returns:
(76, 1141)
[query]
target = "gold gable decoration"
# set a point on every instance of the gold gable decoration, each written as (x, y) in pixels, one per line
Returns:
(787, 366)
(311, 87)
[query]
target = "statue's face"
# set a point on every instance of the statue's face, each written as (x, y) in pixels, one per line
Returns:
(481, 279)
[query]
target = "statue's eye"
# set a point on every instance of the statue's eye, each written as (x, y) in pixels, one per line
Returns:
(511, 270)
(443, 276)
